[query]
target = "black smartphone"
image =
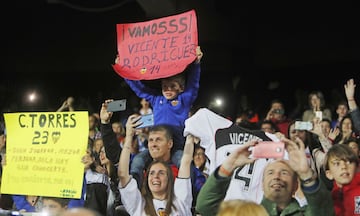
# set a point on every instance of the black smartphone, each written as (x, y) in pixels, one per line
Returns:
(117, 105)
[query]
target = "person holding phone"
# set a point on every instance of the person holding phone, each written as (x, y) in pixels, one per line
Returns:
(354, 111)
(317, 107)
(279, 183)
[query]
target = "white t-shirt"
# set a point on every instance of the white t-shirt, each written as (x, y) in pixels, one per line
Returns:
(147, 112)
(134, 203)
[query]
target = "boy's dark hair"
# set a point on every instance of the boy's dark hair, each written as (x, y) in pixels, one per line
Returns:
(179, 78)
(326, 120)
(341, 151)
(271, 123)
(343, 102)
(352, 139)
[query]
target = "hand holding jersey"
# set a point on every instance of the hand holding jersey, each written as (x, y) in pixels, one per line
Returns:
(219, 136)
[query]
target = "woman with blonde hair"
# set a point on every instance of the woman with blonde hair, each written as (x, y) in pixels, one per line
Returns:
(241, 207)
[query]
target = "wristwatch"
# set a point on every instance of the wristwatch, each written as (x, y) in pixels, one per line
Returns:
(308, 180)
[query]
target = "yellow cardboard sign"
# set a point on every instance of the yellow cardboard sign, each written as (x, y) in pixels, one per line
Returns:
(43, 153)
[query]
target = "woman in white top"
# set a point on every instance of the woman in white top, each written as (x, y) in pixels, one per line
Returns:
(160, 194)
(317, 105)
(145, 108)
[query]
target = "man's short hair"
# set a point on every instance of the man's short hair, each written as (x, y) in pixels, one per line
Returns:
(295, 176)
(162, 127)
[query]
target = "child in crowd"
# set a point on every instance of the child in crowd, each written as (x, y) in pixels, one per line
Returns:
(354, 144)
(54, 206)
(171, 107)
(341, 166)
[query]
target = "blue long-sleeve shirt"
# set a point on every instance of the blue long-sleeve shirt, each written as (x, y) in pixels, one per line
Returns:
(21, 203)
(166, 111)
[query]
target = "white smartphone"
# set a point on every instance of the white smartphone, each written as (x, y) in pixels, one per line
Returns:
(116, 105)
(303, 125)
(318, 114)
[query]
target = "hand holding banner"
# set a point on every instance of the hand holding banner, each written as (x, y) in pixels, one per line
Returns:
(158, 48)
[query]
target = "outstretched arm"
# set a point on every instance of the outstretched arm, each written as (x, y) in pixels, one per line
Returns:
(238, 158)
(68, 104)
(349, 88)
(123, 169)
(193, 79)
(214, 190)
(350, 96)
(187, 157)
(112, 147)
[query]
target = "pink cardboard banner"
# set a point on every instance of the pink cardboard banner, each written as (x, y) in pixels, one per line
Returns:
(158, 48)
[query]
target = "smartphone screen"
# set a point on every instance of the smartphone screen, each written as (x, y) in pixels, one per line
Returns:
(303, 125)
(116, 105)
(147, 121)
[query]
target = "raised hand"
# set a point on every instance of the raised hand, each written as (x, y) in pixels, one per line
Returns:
(350, 89)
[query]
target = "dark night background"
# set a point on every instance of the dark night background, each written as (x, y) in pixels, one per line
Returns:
(253, 52)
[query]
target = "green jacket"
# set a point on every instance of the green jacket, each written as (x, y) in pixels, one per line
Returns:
(214, 190)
